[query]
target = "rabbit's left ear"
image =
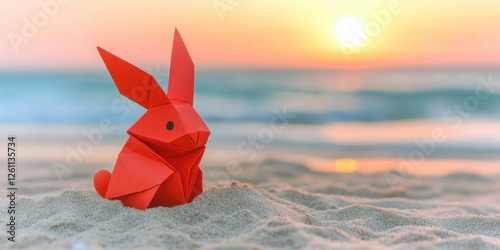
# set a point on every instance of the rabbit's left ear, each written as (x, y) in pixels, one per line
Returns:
(181, 79)
(134, 83)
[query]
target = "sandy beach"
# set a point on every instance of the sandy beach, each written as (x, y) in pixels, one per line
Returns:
(275, 204)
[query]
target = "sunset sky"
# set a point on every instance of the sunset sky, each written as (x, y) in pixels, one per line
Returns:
(249, 33)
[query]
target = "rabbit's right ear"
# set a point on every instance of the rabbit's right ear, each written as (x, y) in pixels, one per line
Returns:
(134, 83)
(181, 78)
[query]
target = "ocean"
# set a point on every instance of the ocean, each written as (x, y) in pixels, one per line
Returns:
(411, 121)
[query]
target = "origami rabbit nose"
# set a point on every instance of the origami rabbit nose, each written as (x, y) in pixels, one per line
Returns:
(194, 137)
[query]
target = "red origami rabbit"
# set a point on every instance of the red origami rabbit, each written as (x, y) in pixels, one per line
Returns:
(159, 163)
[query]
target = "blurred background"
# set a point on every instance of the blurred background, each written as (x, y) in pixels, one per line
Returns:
(411, 87)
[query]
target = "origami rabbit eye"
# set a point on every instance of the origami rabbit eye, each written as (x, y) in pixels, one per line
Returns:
(170, 125)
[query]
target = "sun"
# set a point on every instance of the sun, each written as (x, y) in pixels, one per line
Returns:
(350, 31)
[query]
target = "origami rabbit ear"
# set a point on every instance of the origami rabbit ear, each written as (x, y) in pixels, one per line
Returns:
(181, 79)
(134, 83)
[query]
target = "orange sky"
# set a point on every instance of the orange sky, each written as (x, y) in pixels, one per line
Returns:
(247, 33)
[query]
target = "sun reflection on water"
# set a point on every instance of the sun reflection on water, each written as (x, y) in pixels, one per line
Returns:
(345, 165)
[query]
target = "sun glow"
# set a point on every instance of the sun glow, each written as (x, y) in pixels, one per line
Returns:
(346, 165)
(350, 31)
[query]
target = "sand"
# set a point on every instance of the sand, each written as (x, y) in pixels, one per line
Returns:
(276, 204)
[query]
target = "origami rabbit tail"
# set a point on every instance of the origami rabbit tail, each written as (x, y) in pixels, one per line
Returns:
(101, 182)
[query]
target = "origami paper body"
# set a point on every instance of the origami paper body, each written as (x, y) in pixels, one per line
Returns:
(159, 163)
